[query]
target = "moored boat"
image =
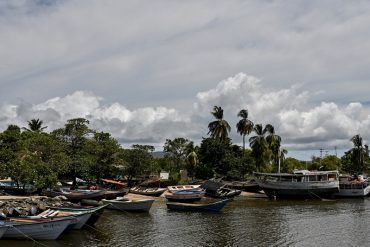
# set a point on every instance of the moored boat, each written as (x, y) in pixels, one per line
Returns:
(96, 212)
(216, 189)
(38, 229)
(300, 183)
(186, 195)
(175, 188)
(76, 195)
(350, 186)
(147, 191)
(126, 204)
(80, 218)
(213, 206)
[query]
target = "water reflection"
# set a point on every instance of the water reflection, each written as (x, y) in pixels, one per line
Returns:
(244, 222)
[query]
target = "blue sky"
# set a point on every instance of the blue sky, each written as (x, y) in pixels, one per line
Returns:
(150, 70)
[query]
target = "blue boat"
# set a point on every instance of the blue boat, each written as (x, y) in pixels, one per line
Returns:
(213, 207)
(186, 195)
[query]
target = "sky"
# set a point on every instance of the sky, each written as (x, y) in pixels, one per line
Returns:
(147, 71)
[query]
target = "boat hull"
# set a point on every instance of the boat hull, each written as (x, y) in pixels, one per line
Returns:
(299, 189)
(213, 207)
(353, 191)
(38, 230)
(139, 205)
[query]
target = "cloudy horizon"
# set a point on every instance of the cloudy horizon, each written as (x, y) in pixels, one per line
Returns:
(146, 71)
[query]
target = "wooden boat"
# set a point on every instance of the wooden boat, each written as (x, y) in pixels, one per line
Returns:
(350, 186)
(80, 218)
(247, 186)
(76, 195)
(216, 189)
(147, 191)
(214, 206)
(126, 204)
(96, 212)
(300, 183)
(175, 188)
(38, 229)
(186, 195)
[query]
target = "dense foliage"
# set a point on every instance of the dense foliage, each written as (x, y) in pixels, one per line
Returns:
(29, 155)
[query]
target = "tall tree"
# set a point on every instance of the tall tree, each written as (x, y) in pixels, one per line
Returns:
(220, 128)
(35, 125)
(274, 142)
(176, 150)
(358, 152)
(259, 146)
(75, 134)
(244, 126)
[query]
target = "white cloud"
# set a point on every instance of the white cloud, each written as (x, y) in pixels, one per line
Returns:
(301, 127)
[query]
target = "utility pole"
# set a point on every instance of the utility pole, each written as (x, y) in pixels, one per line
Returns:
(335, 149)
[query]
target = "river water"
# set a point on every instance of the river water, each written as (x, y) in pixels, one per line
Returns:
(243, 222)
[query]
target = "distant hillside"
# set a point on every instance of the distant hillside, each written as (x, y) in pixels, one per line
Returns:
(158, 154)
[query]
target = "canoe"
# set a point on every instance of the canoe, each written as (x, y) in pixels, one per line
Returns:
(148, 191)
(129, 205)
(190, 195)
(96, 212)
(214, 207)
(45, 229)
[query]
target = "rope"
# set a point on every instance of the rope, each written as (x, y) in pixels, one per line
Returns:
(34, 240)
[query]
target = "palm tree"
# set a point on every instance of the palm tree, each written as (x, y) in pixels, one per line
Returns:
(35, 125)
(274, 142)
(358, 152)
(259, 145)
(282, 154)
(220, 128)
(244, 126)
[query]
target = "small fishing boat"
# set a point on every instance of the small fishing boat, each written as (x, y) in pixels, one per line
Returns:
(175, 188)
(213, 206)
(186, 195)
(80, 218)
(126, 204)
(38, 229)
(147, 191)
(216, 189)
(247, 186)
(350, 186)
(76, 195)
(96, 212)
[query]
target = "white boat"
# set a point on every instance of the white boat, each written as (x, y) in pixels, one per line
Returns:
(125, 204)
(147, 191)
(300, 183)
(46, 229)
(80, 218)
(175, 188)
(350, 186)
(186, 195)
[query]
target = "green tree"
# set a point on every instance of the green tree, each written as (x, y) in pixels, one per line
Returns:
(137, 161)
(35, 125)
(176, 151)
(274, 143)
(75, 134)
(220, 128)
(358, 153)
(259, 145)
(244, 126)
(104, 150)
(290, 164)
